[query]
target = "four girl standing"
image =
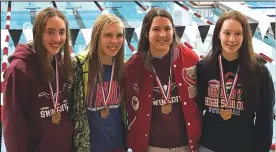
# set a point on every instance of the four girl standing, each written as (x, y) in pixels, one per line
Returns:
(159, 86)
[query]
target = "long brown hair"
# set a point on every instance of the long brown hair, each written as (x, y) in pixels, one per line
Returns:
(37, 45)
(247, 55)
(143, 45)
(250, 65)
(94, 51)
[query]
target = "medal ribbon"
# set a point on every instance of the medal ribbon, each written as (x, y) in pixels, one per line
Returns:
(57, 88)
(110, 85)
(223, 82)
(168, 95)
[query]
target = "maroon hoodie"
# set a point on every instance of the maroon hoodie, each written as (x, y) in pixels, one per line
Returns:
(28, 108)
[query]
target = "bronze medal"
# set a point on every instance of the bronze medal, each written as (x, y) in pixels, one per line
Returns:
(226, 114)
(56, 117)
(166, 109)
(165, 90)
(105, 112)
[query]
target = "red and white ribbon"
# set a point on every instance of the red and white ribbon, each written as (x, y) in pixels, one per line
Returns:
(222, 80)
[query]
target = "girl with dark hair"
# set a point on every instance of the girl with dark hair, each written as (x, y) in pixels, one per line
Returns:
(235, 90)
(35, 95)
(98, 110)
(160, 90)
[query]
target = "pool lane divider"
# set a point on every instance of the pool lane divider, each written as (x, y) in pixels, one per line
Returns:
(139, 4)
(194, 13)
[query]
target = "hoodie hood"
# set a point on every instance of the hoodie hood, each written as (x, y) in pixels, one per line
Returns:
(22, 52)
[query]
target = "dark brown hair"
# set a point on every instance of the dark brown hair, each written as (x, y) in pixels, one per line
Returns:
(143, 45)
(247, 56)
(250, 65)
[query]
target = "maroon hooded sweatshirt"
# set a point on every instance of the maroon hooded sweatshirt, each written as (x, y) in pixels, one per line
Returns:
(28, 108)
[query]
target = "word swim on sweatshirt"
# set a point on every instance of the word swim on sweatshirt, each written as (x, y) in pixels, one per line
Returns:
(28, 107)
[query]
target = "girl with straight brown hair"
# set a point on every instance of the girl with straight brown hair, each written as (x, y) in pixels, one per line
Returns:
(35, 95)
(235, 89)
(160, 90)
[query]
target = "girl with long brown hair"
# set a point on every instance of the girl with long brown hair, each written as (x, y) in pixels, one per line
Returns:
(160, 90)
(35, 95)
(235, 90)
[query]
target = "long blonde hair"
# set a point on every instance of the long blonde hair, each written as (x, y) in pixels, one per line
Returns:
(94, 51)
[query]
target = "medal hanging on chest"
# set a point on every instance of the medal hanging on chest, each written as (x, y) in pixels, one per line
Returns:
(106, 110)
(167, 107)
(56, 116)
(226, 113)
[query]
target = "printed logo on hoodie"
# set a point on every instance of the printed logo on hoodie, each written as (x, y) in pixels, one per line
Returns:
(62, 105)
(159, 100)
(215, 100)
